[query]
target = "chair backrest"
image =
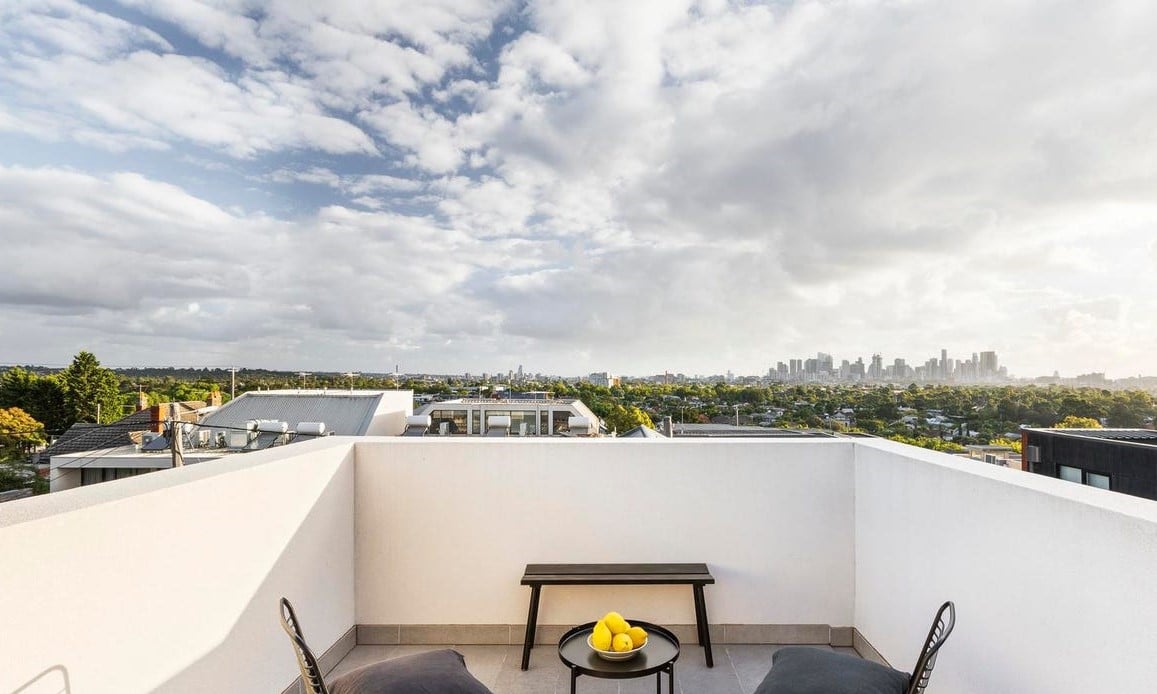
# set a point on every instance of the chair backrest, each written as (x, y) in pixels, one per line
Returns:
(310, 671)
(937, 635)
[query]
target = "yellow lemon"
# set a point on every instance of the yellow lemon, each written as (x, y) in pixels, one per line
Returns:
(638, 636)
(601, 638)
(622, 643)
(616, 623)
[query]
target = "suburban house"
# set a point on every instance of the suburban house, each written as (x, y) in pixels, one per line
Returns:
(252, 421)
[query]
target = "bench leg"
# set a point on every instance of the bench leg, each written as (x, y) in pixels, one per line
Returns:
(531, 625)
(701, 623)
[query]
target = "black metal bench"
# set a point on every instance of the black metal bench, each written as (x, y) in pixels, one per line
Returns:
(696, 575)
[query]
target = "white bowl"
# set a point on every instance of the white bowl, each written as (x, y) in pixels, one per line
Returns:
(616, 655)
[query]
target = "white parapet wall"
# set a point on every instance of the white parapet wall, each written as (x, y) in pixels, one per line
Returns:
(170, 581)
(445, 527)
(1053, 581)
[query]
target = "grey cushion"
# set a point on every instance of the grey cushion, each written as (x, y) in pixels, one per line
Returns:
(434, 672)
(803, 670)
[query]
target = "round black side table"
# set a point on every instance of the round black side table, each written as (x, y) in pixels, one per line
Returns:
(657, 657)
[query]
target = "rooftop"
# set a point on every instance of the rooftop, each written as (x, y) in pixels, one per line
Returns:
(344, 412)
(169, 582)
(1144, 436)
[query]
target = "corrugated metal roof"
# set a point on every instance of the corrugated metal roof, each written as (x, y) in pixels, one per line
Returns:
(344, 413)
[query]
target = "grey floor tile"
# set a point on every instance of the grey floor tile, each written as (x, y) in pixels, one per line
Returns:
(484, 662)
(544, 676)
(692, 676)
(738, 669)
(589, 685)
(751, 663)
(644, 685)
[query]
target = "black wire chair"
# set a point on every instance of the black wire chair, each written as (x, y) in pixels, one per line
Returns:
(797, 669)
(937, 635)
(443, 670)
(306, 661)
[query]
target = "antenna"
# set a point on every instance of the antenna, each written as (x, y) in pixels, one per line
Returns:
(350, 375)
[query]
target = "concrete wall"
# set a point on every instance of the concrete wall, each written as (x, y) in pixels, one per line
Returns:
(1053, 582)
(61, 479)
(169, 582)
(390, 417)
(446, 526)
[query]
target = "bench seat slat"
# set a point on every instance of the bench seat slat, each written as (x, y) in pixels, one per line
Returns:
(646, 573)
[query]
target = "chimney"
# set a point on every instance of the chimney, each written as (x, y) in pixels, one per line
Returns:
(158, 415)
(142, 401)
(215, 399)
(668, 427)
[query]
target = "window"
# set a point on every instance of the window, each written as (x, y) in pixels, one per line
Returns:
(1094, 480)
(455, 421)
(561, 420)
(1076, 474)
(523, 420)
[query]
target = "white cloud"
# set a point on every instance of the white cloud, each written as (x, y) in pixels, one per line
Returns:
(686, 185)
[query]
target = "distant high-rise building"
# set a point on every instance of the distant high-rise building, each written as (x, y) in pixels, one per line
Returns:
(824, 363)
(876, 370)
(988, 365)
(945, 367)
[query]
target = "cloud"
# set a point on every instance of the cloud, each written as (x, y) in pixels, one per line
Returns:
(650, 185)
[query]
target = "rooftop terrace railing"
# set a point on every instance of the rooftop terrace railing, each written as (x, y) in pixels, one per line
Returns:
(169, 582)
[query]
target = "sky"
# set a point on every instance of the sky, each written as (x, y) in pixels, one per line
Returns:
(634, 187)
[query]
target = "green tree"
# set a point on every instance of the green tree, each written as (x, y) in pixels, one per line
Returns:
(90, 389)
(42, 397)
(1014, 444)
(19, 435)
(624, 418)
(1074, 422)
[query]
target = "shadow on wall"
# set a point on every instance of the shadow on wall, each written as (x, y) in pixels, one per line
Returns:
(54, 680)
(297, 571)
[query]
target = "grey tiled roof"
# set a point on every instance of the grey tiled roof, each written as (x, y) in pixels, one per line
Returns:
(84, 436)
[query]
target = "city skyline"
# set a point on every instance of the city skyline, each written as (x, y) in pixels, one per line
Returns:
(977, 367)
(658, 185)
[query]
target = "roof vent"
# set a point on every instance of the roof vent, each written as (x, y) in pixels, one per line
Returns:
(579, 426)
(417, 424)
(498, 425)
(311, 429)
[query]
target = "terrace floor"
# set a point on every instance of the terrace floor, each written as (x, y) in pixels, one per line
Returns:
(739, 668)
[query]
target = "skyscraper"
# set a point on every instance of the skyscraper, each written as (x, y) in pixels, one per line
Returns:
(988, 365)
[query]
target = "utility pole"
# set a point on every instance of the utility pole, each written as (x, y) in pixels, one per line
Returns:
(176, 442)
(232, 382)
(350, 375)
(736, 414)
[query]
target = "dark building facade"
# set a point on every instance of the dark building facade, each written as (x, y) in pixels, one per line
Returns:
(1122, 460)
